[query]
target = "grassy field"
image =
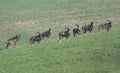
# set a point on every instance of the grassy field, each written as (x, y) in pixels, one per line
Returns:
(90, 53)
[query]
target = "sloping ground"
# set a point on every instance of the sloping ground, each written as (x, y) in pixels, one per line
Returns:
(90, 53)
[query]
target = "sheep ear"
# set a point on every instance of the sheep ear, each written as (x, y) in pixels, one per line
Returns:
(91, 22)
(77, 25)
(17, 35)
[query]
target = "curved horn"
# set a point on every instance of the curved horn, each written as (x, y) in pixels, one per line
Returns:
(91, 21)
(109, 21)
(77, 25)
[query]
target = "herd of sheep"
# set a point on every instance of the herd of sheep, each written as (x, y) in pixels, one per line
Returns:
(63, 34)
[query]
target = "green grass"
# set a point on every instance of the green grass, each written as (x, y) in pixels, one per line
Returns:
(94, 53)
(90, 53)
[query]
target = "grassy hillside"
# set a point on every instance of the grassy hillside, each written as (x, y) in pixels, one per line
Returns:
(89, 53)
(94, 53)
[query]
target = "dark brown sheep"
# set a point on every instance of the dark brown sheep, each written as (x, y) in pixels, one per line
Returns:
(36, 38)
(65, 34)
(106, 26)
(46, 34)
(88, 28)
